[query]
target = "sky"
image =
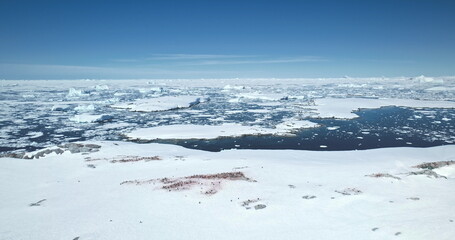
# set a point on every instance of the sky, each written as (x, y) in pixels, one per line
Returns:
(78, 39)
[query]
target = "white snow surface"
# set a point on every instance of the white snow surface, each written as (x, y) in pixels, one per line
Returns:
(182, 131)
(160, 103)
(87, 118)
(72, 92)
(303, 192)
(261, 96)
(344, 107)
(85, 108)
(188, 131)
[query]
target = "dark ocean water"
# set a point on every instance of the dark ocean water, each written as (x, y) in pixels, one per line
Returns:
(374, 128)
(377, 128)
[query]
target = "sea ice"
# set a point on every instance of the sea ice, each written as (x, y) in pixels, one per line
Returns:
(88, 118)
(160, 103)
(72, 93)
(215, 131)
(343, 107)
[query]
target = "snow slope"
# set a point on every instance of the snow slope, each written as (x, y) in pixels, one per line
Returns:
(119, 193)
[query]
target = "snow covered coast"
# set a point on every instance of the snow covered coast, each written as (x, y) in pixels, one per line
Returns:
(157, 191)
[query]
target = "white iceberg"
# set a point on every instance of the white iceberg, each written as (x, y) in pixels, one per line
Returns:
(89, 118)
(74, 93)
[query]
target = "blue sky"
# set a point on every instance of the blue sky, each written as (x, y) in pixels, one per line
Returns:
(71, 39)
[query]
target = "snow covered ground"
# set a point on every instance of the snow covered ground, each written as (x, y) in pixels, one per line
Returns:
(156, 191)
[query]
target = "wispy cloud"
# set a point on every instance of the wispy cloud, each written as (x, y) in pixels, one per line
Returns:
(177, 58)
(260, 61)
(211, 59)
(216, 59)
(125, 60)
(194, 56)
(161, 65)
(42, 71)
(38, 68)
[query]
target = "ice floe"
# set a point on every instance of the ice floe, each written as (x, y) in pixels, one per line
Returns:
(215, 131)
(160, 103)
(89, 118)
(85, 108)
(344, 107)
